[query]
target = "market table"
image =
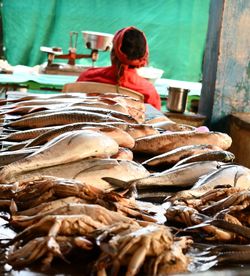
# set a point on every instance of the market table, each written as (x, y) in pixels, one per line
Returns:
(35, 81)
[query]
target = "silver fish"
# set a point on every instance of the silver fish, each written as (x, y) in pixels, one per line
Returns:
(182, 176)
(213, 155)
(233, 175)
(157, 144)
(67, 147)
(173, 156)
(119, 135)
(90, 171)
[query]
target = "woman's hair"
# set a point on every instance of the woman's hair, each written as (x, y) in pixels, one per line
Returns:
(130, 48)
(134, 44)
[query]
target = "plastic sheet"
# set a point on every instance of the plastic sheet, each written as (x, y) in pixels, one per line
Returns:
(175, 29)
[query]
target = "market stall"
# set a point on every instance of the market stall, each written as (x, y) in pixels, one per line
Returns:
(116, 189)
(150, 177)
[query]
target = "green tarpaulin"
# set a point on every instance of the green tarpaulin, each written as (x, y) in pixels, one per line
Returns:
(175, 29)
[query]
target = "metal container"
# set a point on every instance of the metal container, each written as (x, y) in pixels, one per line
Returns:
(177, 99)
(97, 41)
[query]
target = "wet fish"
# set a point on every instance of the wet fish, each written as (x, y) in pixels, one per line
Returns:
(89, 171)
(120, 136)
(61, 119)
(213, 155)
(123, 116)
(64, 148)
(161, 143)
(173, 156)
(233, 175)
(182, 176)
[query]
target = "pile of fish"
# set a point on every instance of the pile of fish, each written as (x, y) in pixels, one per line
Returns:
(76, 170)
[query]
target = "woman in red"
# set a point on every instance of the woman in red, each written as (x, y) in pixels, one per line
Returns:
(130, 51)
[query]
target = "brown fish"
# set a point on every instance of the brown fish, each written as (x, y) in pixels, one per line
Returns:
(28, 134)
(120, 136)
(176, 155)
(89, 171)
(61, 119)
(161, 143)
(123, 116)
(182, 176)
(213, 155)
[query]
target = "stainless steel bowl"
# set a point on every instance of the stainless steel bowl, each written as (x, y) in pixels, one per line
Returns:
(177, 99)
(97, 41)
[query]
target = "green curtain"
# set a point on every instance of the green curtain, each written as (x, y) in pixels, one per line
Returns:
(175, 29)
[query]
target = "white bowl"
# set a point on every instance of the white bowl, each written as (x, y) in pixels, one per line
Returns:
(150, 73)
(97, 40)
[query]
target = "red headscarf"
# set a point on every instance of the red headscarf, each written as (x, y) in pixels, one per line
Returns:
(117, 44)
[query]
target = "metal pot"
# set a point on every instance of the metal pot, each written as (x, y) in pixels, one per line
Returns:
(177, 99)
(97, 41)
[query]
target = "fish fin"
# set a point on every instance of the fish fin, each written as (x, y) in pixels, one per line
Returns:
(124, 188)
(117, 183)
(36, 109)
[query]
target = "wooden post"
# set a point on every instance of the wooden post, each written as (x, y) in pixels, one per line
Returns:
(226, 70)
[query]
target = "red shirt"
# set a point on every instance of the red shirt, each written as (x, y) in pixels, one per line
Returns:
(130, 79)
